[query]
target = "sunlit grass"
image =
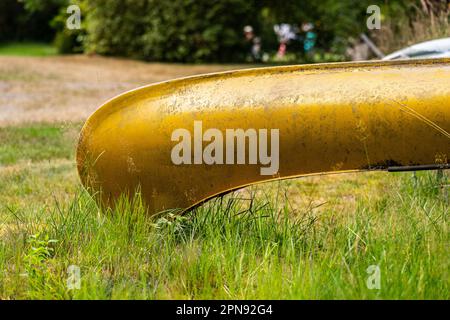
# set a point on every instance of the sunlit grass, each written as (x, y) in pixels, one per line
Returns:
(27, 49)
(37, 142)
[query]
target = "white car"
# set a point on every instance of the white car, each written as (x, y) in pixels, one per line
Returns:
(439, 48)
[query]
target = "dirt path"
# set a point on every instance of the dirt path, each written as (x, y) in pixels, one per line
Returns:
(69, 88)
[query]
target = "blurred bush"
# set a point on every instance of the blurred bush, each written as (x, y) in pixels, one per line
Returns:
(116, 27)
(212, 30)
(176, 30)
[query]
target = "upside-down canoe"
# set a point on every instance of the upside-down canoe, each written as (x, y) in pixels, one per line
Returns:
(330, 118)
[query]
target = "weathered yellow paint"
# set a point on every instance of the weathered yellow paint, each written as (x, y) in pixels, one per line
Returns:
(331, 118)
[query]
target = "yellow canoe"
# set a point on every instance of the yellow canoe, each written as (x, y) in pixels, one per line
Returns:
(170, 139)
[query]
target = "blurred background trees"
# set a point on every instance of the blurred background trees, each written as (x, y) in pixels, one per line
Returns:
(28, 20)
(212, 31)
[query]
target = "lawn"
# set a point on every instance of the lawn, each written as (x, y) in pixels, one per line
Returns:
(308, 238)
(27, 49)
(69, 88)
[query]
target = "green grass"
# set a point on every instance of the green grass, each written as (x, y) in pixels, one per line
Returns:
(257, 245)
(27, 49)
(36, 143)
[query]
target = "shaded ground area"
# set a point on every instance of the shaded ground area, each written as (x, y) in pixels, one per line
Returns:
(69, 88)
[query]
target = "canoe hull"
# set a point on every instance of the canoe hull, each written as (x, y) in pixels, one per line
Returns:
(330, 118)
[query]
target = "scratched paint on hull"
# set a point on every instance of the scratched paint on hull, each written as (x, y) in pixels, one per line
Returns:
(331, 118)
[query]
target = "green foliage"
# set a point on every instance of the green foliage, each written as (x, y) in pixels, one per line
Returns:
(38, 265)
(40, 249)
(198, 30)
(116, 27)
(179, 30)
(201, 30)
(42, 5)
